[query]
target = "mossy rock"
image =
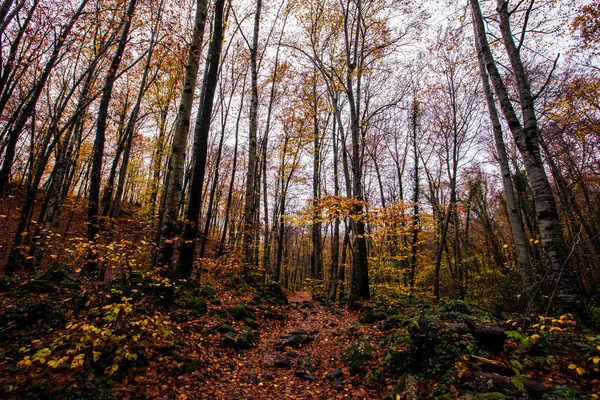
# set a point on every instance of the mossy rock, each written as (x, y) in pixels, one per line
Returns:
(40, 286)
(368, 315)
(234, 340)
(241, 311)
(5, 283)
(216, 301)
(224, 327)
(393, 321)
(247, 340)
(198, 306)
(208, 291)
(357, 355)
(274, 292)
(250, 323)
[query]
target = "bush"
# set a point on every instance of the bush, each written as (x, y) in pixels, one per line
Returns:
(356, 355)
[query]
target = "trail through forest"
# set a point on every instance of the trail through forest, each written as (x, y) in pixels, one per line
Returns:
(298, 358)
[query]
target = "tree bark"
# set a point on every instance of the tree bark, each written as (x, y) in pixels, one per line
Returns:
(174, 185)
(189, 237)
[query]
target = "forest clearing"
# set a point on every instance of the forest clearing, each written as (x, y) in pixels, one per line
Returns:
(319, 199)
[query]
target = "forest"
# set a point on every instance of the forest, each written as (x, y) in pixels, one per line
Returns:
(316, 199)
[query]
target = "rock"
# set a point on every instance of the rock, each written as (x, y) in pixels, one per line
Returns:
(456, 308)
(355, 328)
(297, 339)
(393, 321)
(335, 374)
(356, 355)
(432, 350)
(40, 286)
(229, 341)
(247, 340)
(266, 377)
(234, 395)
(224, 327)
(338, 385)
(232, 340)
(241, 311)
(307, 364)
(250, 323)
(305, 368)
(274, 292)
(292, 354)
(367, 315)
(251, 379)
(306, 304)
(208, 291)
(197, 305)
(307, 376)
(281, 362)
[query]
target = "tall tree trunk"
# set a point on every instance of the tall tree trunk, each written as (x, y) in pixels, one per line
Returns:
(249, 240)
(335, 238)
(514, 213)
(174, 184)
(559, 284)
(416, 223)
(316, 258)
(187, 247)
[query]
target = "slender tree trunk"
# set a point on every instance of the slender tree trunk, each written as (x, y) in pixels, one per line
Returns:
(188, 239)
(514, 213)
(174, 185)
(416, 223)
(249, 240)
(559, 282)
(335, 238)
(316, 259)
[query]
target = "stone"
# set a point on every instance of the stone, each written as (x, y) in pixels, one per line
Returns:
(241, 311)
(334, 375)
(281, 361)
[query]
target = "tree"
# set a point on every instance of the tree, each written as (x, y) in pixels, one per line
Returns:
(559, 283)
(174, 183)
(187, 247)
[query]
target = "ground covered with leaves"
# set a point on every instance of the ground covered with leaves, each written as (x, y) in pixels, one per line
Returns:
(68, 337)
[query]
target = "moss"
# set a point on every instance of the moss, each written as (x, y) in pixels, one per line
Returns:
(250, 323)
(197, 305)
(241, 311)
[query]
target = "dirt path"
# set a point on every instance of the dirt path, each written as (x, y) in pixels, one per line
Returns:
(252, 375)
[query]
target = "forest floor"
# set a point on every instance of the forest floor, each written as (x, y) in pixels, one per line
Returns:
(64, 335)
